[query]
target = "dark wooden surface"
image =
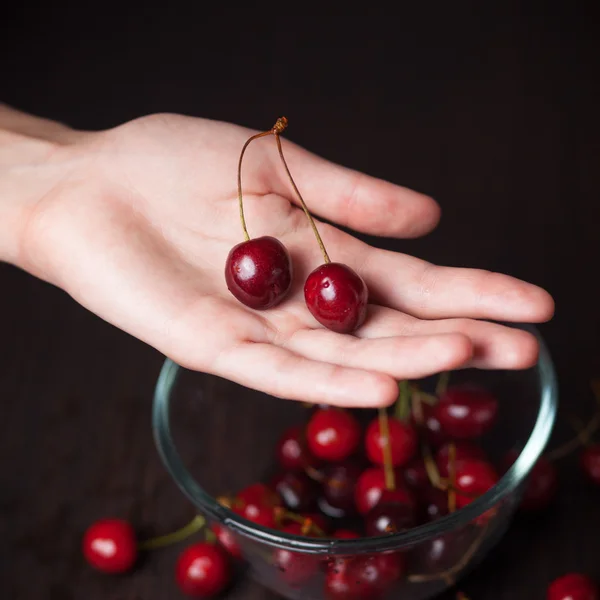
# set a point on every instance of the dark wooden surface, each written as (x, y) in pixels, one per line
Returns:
(493, 113)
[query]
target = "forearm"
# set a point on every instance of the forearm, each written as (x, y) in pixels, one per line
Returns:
(33, 162)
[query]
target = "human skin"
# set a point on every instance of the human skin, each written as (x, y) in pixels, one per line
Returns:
(135, 223)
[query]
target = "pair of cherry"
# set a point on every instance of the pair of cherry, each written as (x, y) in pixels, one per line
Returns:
(259, 271)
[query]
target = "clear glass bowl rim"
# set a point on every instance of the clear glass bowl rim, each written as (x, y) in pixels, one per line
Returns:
(210, 508)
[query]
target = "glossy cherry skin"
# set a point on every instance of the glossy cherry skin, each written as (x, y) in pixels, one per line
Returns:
(403, 442)
(296, 568)
(389, 517)
(432, 504)
(370, 489)
(415, 474)
(573, 586)
(541, 484)
(202, 570)
(297, 490)
(474, 477)
(466, 413)
(333, 435)
(590, 461)
(431, 428)
(441, 553)
(339, 481)
(463, 450)
(258, 503)
(110, 546)
(337, 297)
(227, 540)
(292, 451)
(258, 272)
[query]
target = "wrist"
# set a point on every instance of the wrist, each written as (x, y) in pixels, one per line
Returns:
(36, 155)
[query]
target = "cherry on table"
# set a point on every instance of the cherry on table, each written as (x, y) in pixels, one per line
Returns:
(466, 412)
(541, 484)
(202, 570)
(402, 442)
(463, 449)
(590, 461)
(296, 568)
(337, 297)
(573, 586)
(110, 546)
(371, 486)
(258, 272)
(297, 490)
(333, 435)
(292, 451)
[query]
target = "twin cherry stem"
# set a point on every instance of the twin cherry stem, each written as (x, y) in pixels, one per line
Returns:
(276, 131)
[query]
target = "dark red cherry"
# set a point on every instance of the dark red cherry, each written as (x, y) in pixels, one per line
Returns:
(463, 450)
(202, 570)
(339, 481)
(292, 451)
(402, 442)
(333, 435)
(465, 412)
(590, 461)
(337, 297)
(441, 553)
(540, 485)
(432, 504)
(296, 568)
(474, 477)
(258, 272)
(431, 428)
(227, 540)
(573, 586)
(371, 486)
(297, 490)
(415, 474)
(389, 516)
(110, 546)
(345, 534)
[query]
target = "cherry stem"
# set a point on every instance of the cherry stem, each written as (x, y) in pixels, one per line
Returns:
(195, 525)
(442, 383)
(388, 467)
(452, 477)
(276, 131)
(314, 474)
(431, 469)
(402, 408)
(579, 427)
(308, 525)
(575, 443)
(430, 399)
(449, 574)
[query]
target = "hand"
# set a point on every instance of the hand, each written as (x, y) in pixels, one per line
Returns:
(138, 221)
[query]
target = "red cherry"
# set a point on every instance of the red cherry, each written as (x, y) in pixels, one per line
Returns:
(318, 519)
(333, 435)
(371, 486)
(403, 442)
(432, 504)
(466, 413)
(389, 516)
(345, 534)
(337, 297)
(590, 460)
(441, 553)
(296, 568)
(297, 490)
(474, 477)
(541, 483)
(415, 474)
(431, 428)
(110, 546)
(463, 450)
(258, 272)
(227, 540)
(573, 586)
(257, 503)
(202, 570)
(292, 451)
(339, 481)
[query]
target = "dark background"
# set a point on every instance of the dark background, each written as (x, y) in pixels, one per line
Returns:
(494, 113)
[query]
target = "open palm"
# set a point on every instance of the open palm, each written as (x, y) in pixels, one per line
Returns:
(139, 229)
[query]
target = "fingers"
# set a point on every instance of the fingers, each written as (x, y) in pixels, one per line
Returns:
(494, 346)
(431, 292)
(351, 198)
(404, 357)
(282, 373)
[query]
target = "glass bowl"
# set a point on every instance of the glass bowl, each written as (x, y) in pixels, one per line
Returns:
(216, 437)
